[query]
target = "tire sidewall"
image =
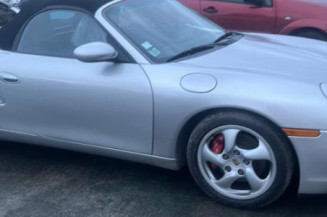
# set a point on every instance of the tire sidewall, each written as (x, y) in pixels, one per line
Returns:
(312, 35)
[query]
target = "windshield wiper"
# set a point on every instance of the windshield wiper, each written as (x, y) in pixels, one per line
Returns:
(227, 35)
(191, 51)
(194, 50)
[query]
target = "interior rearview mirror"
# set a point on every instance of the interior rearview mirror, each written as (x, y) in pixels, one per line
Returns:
(95, 52)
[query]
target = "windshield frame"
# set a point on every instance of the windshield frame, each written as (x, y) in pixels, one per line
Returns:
(134, 45)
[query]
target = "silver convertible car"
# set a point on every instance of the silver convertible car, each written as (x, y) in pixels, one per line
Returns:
(151, 81)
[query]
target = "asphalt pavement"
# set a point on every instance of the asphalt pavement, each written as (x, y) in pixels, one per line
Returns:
(44, 182)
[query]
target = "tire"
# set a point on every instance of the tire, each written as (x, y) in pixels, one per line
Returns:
(233, 175)
(312, 34)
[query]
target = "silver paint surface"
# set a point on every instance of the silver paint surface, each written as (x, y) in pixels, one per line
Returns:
(136, 111)
(198, 83)
(95, 52)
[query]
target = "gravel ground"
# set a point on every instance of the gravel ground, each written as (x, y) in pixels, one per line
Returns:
(36, 181)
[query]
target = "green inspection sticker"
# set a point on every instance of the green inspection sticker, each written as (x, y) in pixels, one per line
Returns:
(146, 45)
(154, 52)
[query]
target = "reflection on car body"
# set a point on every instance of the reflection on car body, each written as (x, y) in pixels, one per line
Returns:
(167, 87)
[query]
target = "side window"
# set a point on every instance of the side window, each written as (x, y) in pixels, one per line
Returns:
(268, 3)
(59, 32)
(234, 1)
(265, 2)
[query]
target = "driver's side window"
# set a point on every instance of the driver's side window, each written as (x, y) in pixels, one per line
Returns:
(264, 2)
(59, 32)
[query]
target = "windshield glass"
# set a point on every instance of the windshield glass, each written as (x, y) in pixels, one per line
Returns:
(161, 29)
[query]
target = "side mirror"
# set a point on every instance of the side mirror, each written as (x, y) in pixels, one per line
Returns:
(95, 52)
(255, 2)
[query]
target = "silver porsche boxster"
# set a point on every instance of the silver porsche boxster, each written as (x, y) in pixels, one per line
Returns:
(151, 81)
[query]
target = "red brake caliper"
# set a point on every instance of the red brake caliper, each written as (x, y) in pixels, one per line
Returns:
(217, 146)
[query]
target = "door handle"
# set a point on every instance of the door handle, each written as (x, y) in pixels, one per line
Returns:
(9, 78)
(210, 10)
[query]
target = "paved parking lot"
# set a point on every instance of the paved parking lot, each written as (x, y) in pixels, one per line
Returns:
(38, 181)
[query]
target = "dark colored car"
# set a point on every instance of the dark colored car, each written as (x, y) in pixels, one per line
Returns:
(306, 18)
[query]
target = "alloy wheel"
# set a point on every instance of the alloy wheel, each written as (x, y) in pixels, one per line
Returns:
(237, 162)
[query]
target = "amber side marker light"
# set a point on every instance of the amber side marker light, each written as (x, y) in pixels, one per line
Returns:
(301, 132)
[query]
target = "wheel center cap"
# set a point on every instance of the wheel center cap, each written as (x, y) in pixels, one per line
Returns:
(236, 162)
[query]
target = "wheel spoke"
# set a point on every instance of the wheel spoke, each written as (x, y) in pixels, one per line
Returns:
(230, 139)
(229, 166)
(259, 153)
(227, 180)
(209, 156)
(255, 182)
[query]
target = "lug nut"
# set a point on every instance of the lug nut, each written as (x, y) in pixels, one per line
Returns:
(228, 169)
(236, 152)
(246, 162)
(241, 172)
(225, 157)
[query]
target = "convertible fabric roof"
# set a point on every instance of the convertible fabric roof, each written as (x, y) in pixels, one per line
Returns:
(30, 7)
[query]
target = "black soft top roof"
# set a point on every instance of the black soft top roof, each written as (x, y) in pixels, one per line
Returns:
(30, 7)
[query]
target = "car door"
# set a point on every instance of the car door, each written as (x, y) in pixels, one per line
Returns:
(50, 94)
(241, 15)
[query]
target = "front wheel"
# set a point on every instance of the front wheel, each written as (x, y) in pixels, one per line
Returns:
(240, 159)
(312, 34)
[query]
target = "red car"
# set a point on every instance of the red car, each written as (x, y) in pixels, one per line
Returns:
(306, 18)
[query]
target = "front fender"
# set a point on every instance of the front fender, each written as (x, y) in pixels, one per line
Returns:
(304, 23)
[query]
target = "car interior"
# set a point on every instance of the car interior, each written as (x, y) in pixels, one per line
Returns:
(62, 31)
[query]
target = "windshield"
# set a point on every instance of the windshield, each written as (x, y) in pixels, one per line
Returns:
(161, 29)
